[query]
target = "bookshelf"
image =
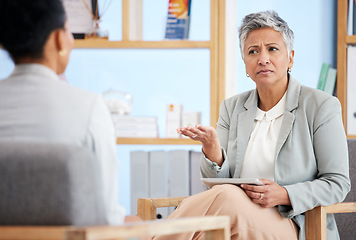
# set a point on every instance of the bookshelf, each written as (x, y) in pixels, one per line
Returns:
(343, 40)
(218, 45)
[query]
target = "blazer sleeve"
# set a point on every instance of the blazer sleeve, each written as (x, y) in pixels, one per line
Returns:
(210, 169)
(331, 183)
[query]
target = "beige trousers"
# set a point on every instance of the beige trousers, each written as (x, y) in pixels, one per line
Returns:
(249, 221)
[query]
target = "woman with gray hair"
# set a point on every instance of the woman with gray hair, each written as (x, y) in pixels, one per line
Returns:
(288, 136)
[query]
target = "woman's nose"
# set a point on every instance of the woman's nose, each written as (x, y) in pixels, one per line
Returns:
(264, 58)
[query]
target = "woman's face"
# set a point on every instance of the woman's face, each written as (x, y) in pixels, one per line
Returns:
(266, 57)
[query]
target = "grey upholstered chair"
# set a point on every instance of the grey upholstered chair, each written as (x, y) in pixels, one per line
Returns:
(49, 184)
(346, 222)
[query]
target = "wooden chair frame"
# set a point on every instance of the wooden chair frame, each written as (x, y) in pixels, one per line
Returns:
(315, 219)
(216, 228)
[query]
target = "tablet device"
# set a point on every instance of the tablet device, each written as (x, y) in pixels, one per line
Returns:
(210, 182)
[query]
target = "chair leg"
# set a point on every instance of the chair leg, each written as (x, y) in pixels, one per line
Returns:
(315, 224)
(146, 209)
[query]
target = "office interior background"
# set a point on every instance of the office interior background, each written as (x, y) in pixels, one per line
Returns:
(159, 77)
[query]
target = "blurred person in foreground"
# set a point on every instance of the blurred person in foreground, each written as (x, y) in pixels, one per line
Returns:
(35, 105)
(289, 136)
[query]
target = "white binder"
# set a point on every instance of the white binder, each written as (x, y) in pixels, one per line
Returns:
(196, 185)
(139, 169)
(351, 90)
(159, 178)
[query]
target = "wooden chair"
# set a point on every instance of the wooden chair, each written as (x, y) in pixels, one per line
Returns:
(315, 219)
(216, 227)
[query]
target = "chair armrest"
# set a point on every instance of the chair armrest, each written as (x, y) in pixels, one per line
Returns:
(345, 207)
(32, 232)
(216, 227)
(315, 219)
(147, 207)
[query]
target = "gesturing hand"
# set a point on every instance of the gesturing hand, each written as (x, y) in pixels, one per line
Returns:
(209, 139)
(204, 134)
(268, 195)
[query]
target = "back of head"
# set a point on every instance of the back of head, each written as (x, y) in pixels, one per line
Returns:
(266, 19)
(26, 25)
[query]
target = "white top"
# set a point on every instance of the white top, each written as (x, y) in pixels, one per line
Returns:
(36, 105)
(261, 149)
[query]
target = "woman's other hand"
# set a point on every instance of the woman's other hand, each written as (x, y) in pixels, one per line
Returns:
(208, 137)
(269, 195)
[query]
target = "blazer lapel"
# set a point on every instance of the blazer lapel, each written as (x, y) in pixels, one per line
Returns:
(245, 122)
(293, 93)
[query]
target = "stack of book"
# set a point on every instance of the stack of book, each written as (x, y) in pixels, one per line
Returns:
(137, 127)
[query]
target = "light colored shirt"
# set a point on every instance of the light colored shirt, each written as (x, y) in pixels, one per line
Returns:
(261, 149)
(35, 105)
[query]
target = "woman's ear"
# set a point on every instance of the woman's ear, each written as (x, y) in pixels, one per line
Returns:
(59, 36)
(291, 59)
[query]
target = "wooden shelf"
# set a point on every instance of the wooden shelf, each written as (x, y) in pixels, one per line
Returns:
(342, 41)
(165, 44)
(351, 39)
(157, 141)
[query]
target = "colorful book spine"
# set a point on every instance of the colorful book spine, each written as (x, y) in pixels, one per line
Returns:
(322, 77)
(178, 19)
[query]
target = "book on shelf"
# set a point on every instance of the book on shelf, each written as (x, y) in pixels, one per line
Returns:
(354, 19)
(330, 81)
(323, 75)
(80, 20)
(178, 19)
(139, 177)
(133, 126)
(351, 90)
(327, 79)
(350, 17)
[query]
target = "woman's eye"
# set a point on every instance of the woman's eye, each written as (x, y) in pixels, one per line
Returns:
(252, 52)
(273, 49)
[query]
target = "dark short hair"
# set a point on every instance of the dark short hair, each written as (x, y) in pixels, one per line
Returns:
(25, 25)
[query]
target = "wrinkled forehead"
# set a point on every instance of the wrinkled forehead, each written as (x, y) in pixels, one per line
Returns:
(263, 36)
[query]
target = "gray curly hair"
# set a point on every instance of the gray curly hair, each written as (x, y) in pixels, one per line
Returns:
(264, 19)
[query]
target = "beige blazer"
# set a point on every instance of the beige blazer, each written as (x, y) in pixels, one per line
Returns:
(311, 159)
